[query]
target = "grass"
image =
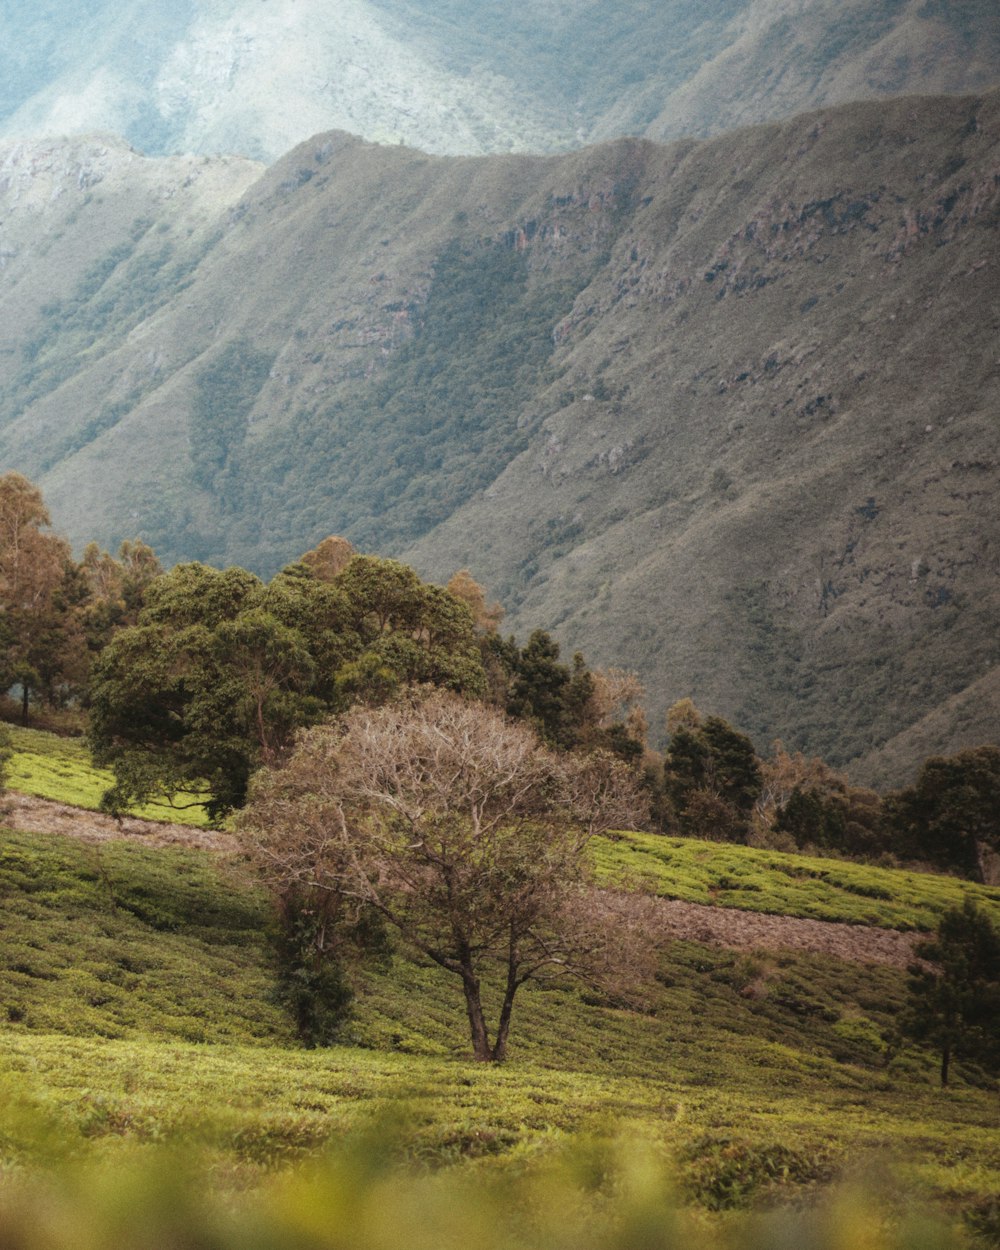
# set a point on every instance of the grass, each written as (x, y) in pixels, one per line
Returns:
(54, 767)
(138, 988)
(115, 940)
(138, 1013)
(725, 875)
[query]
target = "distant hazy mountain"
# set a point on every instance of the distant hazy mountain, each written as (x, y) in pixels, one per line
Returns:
(255, 77)
(722, 411)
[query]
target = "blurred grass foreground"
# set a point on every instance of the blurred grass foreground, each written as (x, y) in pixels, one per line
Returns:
(612, 1193)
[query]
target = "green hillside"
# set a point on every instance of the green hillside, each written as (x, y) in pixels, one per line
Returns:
(140, 1013)
(58, 768)
(115, 959)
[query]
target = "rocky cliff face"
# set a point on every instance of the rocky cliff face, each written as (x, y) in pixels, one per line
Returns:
(723, 412)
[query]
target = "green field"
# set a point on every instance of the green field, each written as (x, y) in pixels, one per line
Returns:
(137, 1000)
(59, 768)
(724, 875)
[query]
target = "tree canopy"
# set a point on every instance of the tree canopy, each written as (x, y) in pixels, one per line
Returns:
(951, 815)
(456, 825)
(954, 1002)
(219, 669)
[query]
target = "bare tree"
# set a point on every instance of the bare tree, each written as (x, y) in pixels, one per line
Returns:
(458, 827)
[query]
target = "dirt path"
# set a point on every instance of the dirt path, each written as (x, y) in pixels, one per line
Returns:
(717, 926)
(34, 815)
(748, 930)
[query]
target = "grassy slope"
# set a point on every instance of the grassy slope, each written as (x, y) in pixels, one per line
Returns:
(137, 984)
(54, 767)
(724, 875)
(111, 995)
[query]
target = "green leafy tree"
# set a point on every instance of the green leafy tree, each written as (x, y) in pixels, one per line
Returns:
(206, 685)
(712, 777)
(954, 1002)
(951, 815)
(219, 670)
(552, 696)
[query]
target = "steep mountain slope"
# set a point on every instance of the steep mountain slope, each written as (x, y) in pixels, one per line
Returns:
(468, 76)
(724, 412)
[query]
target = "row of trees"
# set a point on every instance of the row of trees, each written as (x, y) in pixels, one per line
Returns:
(195, 677)
(56, 614)
(714, 785)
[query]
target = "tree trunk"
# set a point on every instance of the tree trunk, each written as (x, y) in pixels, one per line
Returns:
(945, 1064)
(24, 703)
(503, 1029)
(477, 1022)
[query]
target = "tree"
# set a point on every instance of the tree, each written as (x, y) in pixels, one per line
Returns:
(454, 824)
(219, 670)
(954, 1002)
(328, 559)
(555, 698)
(40, 630)
(711, 775)
(115, 588)
(951, 816)
(465, 587)
(206, 684)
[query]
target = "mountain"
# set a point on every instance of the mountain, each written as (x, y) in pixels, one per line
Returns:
(467, 76)
(720, 411)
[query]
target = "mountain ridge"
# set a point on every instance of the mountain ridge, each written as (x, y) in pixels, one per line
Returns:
(671, 402)
(227, 76)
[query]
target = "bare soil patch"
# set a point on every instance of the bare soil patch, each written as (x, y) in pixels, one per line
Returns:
(35, 815)
(748, 930)
(716, 926)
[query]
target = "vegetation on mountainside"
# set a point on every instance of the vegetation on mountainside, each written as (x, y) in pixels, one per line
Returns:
(445, 412)
(192, 679)
(578, 337)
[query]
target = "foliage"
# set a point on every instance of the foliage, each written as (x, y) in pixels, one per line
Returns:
(227, 389)
(605, 1192)
(457, 827)
(951, 815)
(726, 1172)
(712, 777)
(220, 670)
(955, 1003)
(312, 982)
